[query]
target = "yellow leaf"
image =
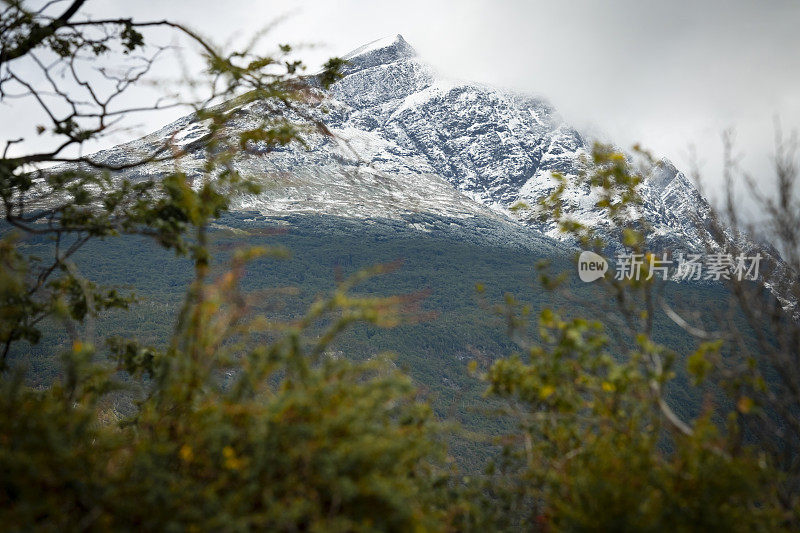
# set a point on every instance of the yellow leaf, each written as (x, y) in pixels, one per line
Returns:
(745, 404)
(546, 391)
(186, 453)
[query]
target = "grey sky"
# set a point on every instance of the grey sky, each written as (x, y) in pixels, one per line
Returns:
(667, 74)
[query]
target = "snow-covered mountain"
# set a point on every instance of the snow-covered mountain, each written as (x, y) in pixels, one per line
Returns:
(408, 142)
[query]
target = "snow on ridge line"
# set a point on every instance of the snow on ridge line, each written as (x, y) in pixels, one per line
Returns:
(438, 88)
(378, 44)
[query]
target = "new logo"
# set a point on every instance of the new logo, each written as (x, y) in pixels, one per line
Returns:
(591, 266)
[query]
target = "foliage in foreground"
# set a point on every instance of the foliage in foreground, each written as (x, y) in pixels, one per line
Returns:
(276, 438)
(599, 445)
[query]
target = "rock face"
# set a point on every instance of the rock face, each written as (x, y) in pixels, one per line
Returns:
(409, 142)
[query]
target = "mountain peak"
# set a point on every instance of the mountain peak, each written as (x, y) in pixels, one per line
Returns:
(663, 174)
(379, 52)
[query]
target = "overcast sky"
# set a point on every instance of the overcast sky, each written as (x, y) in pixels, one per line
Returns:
(668, 74)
